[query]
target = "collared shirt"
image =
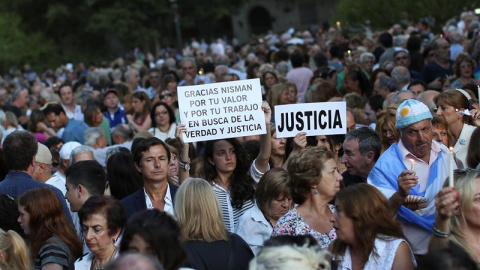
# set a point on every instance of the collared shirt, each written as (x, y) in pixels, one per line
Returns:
(58, 180)
(254, 228)
(76, 114)
(168, 201)
(422, 169)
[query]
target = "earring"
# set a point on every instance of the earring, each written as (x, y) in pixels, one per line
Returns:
(315, 191)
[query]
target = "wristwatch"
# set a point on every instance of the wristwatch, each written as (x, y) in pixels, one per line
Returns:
(184, 165)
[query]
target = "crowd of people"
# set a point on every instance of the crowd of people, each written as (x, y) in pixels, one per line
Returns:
(96, 173)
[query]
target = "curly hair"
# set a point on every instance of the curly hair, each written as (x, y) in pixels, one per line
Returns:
(462, 57)
(241, 184)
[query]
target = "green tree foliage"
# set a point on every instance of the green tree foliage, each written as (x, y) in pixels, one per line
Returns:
(383, 14)
(18, 47)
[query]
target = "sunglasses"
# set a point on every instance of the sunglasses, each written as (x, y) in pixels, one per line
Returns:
(165, 96)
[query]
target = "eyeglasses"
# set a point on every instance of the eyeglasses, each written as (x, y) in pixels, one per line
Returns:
(165, 96)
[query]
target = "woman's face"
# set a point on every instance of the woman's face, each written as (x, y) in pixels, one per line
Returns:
(278, 145)
(166, 97)
(95, 231)
(323, 141)
(388, 134)
(472, 215)
(270, 80)
(173, 166)
(24, 219)
(137, 105)
(172, 86)
(448, 113)
(162, 118)
(224, 157)
(128, 106)
(343, 225)
(440, 134)
(329, 184)
(466, 69)
(279, 207)
(292, 95)
(285, 97)
(138, 244)
(97, 117)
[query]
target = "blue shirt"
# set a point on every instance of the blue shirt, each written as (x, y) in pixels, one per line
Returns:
(16, 183)
(119, 117)
(74, 131)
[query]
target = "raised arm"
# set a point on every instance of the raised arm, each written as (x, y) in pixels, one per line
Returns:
(446, 204)
(184, 160)
(261, 162)
(299, 143)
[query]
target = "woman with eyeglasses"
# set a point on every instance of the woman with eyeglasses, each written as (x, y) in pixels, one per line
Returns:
(457, 214)
(453, 106)
(163, 124)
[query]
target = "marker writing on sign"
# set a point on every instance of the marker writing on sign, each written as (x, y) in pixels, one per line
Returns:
(312, 119)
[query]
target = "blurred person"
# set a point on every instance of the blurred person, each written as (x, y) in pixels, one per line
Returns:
(190, 69)
(132, 80)
(81, 153)
(272, 201)
(322, 92)
(156, 233)
(154, 82)
(57, 119)
(316, 180)
(122, 176)
(463, 67)
(53, 241)
(268, 78)
(163, 124)
(14, 253)
(402, 58)
(417, 87)
(367, 60)
(278, 95)
(114, 113)
(37, 126)
(386, 120)
(401, 77)
(440, 130)
(140, 120)
(369, 237)
(71, 109)
(473, 155)
(402, 95)
(95, 138)
(135, 261)
(440, 67)
(355, 81)
(206, 240)
(427, 98)
(299, 75)
(372, 108)
(18, 102)
(103, 220)
(122, 134)
(384, 86)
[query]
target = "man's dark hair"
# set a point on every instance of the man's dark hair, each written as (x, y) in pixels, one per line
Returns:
(88, 173)
(368, 140)
(19, 148)
(297, 60)
(154, 70)
(386, 39)
(55, 108)
(320, 60)
(376, 102)
(144, 145)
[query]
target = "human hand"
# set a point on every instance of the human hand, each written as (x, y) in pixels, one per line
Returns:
(447, 202)
(300, 141)
(267, 112)
(475, 116)
(179, 133)
(406, 180)
(129, 117)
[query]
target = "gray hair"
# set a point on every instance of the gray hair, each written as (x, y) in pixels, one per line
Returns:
(400, 75)
(122, 131)
(365, 55)
(395, 99)
(387, 82)
(16, 93)
(91, 135)
(188, 59)
(368, 140)
(80, 150)
(290, 257)
(282, 68)
(116, 74)
(3, 116)
(128, 73)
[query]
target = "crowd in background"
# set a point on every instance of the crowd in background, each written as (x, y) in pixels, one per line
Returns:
(96, 173)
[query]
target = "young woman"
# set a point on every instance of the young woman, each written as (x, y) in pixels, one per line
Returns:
(54, 243)
(140, 120)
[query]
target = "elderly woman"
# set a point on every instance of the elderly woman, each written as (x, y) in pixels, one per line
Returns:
(450, 106)
(163, 125)
(463, 68)
(457, 217)
(316, 180)
(386, 120)
(156, 232)
(369, 237)
(205, 237)
(54, 244)
(102, 219)
(273, 200)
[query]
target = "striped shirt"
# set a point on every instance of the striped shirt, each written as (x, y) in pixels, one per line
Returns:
(230, 214)
(54, 251)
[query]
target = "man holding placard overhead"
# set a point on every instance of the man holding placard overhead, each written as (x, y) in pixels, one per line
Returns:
(411, 172)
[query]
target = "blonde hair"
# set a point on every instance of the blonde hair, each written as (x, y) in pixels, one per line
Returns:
(290, 257)
(18, 257)
(198, 212)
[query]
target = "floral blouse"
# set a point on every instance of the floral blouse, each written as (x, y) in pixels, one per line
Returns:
(294, 224)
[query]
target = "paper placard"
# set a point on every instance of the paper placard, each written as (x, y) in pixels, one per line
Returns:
(221, 110)
(322, 118)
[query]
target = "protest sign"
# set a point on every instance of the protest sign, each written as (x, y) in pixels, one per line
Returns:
(221, 110)
(323, 118)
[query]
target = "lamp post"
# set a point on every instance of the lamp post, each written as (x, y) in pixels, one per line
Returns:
(176, 21)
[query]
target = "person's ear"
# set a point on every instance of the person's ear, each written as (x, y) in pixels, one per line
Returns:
(3, 256)
(138, 167)
(370, 157)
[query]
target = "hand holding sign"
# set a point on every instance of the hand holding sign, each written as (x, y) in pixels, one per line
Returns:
(300, 142)
(267, 112)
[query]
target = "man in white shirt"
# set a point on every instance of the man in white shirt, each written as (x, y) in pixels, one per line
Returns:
(152, 157)
(72, 110)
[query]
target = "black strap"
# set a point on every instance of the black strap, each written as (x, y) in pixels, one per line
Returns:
(232, 254)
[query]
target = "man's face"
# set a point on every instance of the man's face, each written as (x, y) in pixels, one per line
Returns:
(417, 138)
(443, 50)
(23, 98)
(111, 100)
(134, 78)
(368, 64)
(55, 121)
(66, 95)
(351, 124)
(154, 79)
(402, 59)
(73, 197)
(353, 159)
(102, 141)
(417, 89)
(154, 164)
(189, 68)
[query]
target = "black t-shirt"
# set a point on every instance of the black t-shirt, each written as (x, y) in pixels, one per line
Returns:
(216, 255)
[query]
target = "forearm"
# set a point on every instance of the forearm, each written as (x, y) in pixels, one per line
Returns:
(438, 242)
(184, 158)
(396, 201)
(263, 157)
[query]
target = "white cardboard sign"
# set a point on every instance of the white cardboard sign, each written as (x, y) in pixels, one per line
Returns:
(221, 110)
(322, 118)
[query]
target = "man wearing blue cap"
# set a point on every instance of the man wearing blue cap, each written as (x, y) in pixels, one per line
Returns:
(411, 172)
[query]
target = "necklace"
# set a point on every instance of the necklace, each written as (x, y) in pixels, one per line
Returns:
(96, 263)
